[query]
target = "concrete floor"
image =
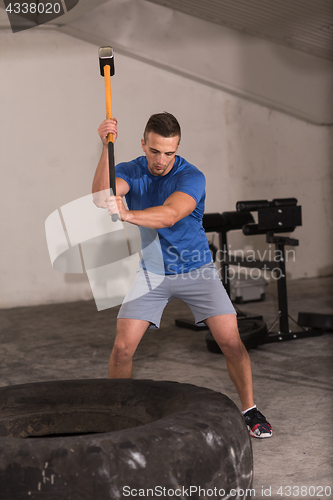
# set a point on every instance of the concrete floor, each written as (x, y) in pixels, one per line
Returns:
(293, 380)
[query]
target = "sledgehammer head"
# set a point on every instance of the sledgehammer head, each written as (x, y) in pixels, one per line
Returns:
(106, 59)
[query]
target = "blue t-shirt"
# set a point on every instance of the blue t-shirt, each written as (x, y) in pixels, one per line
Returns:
(184, 245)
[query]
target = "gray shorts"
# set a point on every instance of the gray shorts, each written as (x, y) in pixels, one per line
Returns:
(201, 289)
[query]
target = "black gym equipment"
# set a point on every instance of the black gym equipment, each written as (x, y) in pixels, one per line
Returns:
(316, 320)
(281, 215)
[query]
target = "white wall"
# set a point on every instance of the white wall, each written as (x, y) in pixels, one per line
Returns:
(52, 101)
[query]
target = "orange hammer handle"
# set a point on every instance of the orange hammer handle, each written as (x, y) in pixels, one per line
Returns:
(108, 100)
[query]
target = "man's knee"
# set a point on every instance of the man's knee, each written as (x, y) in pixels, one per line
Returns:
(124, 345)
(232, 345)
(121, 353)
(129, 333)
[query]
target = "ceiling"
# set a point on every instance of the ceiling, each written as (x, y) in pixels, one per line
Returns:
(305, 25)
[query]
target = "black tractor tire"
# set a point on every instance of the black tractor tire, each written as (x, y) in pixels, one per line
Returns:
(106, 439)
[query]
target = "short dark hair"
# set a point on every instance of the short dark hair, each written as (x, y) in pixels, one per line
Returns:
(164, 124)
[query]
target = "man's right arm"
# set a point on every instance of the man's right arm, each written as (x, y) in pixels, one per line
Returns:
(101, 182)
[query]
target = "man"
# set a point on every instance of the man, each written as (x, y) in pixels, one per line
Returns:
(166, 193)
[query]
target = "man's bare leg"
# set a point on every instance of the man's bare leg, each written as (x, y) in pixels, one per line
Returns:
(129, 334)
(225, 332)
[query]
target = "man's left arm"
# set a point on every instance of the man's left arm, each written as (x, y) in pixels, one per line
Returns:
(176, 207)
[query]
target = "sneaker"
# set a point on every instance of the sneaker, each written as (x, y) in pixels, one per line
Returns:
(257, 424)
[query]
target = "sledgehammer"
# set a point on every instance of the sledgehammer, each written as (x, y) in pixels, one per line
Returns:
(106, 63)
